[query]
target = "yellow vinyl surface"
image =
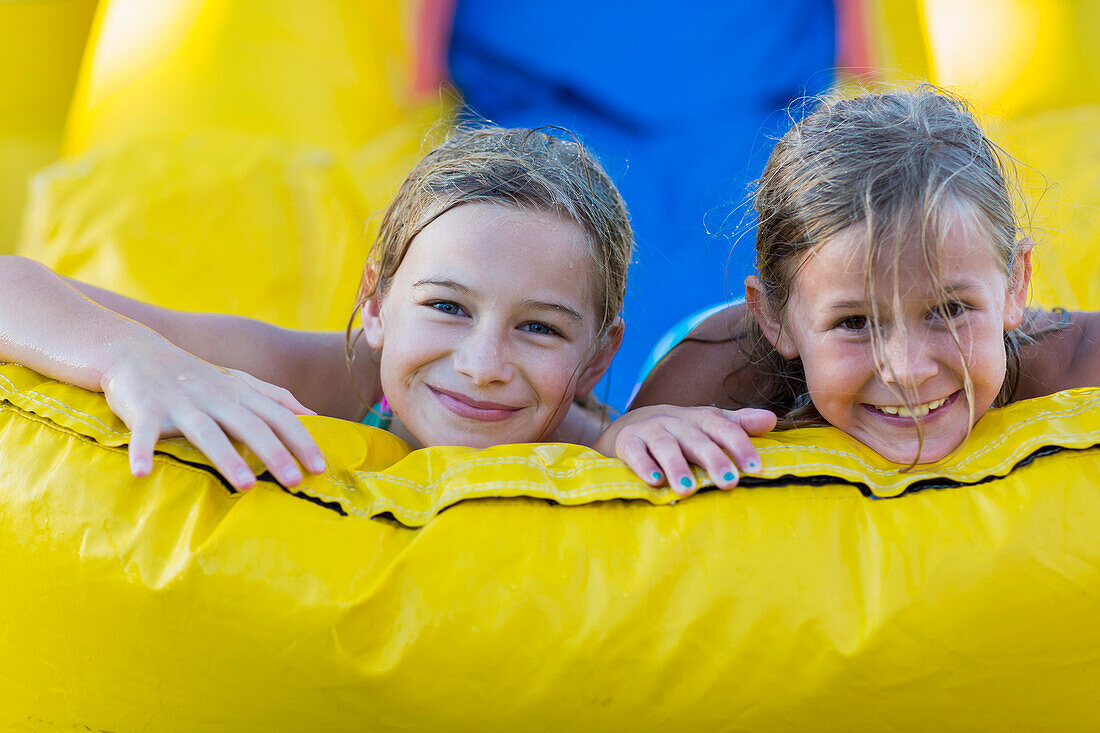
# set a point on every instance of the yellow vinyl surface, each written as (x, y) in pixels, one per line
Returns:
(455, 589)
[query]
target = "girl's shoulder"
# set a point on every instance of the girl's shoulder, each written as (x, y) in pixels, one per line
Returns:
(709, 367)
(1065, 353)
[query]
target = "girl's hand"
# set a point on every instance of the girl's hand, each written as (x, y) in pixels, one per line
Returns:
(170, 392)
(659, 441)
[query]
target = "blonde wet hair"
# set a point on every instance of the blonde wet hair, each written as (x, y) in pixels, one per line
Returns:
(889, 165)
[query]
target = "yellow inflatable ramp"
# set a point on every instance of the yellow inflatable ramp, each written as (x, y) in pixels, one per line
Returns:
(543, 588)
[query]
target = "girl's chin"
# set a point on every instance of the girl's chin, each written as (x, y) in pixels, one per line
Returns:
(931, 451)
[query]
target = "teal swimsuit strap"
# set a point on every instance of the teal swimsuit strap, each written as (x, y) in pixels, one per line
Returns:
(379, 415)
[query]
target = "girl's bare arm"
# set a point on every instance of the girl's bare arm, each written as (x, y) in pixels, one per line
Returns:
(157, 370)
(312, 365)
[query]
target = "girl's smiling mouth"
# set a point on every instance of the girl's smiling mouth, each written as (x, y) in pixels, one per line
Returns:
(926, 410)
(472, 409)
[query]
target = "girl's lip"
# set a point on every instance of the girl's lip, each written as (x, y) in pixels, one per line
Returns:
(908, 421)
(467, 407)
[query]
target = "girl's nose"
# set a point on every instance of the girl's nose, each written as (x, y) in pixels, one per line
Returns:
(908, 360)
(483, 356)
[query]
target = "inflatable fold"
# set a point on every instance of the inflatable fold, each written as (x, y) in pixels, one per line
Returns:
(451, 589)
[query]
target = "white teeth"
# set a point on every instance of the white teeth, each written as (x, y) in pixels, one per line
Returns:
(916, 411)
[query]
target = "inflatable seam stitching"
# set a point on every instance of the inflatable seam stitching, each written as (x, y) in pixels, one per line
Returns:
(90, 440)
(1003, 437)
(83, 417)
(43, 400)
(476, 463)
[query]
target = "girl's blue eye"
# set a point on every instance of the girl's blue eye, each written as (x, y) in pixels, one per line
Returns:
(446, 306)
(540, 328)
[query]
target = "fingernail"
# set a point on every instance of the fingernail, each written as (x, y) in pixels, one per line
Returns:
(729, 476)
(245, 479)
(656, 475)
(686, 482)
(292, 477)
(752, 466)
(317, 464)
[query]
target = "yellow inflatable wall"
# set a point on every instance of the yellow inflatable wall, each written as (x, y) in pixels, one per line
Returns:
(234, 155)
(452, 589)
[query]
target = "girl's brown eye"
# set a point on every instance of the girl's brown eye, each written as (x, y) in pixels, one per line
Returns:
(947, 311)
(854, 323)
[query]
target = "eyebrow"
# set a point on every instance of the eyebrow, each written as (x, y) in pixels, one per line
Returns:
(563, 309)
(950, 290)
(844, 305)
(530, 303)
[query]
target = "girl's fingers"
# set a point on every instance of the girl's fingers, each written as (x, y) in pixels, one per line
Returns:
(633, 452)
(208, 437)
(669, 454)
(734, 442)
(753, 421)
(292, 434)
(701, 449)
(249, 429)
(143, 441)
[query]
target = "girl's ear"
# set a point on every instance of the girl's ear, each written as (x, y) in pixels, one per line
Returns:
(1016, 297)
(371, 314)
(599, 364)
(769, 321)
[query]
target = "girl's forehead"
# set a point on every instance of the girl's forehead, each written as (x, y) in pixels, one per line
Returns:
(490, 232)
(504, 250)
(904, 260)
(910, 242)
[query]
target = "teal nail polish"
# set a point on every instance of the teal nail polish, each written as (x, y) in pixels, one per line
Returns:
(685, 482)
(752, 465)
(656, 475)
(729, 476)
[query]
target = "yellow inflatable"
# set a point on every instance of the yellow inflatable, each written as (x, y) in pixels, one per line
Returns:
(329, 73)
(1014, 57)
(235, 155)
(454, 589)
(220, 221)
(41, 42)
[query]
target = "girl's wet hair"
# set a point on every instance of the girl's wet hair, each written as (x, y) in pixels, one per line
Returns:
(892, 165)
(522, 168)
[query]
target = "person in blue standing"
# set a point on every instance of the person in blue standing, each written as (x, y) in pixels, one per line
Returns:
(682, 101)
